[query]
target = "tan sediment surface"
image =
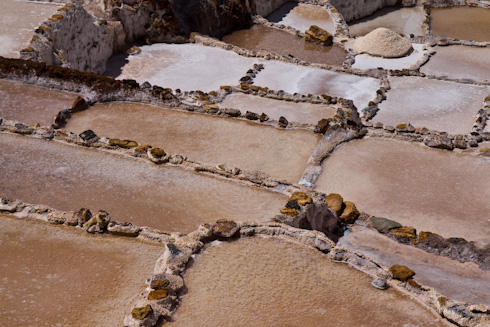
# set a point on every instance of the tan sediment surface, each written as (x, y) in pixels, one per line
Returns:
(260, 37)
(463, 23)
(300, 112)
(459, 62)
(213, 140)
(32, 104)
(459, 281)
(18, 21)
(168, 198)
(273, 282)
(402, 20)
(430, 189)
(439, 105)
(383, 42)
(59, 276)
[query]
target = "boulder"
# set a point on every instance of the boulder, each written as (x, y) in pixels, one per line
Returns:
(68, 218)
(251, 115)
(380, 283)
(157, 294)
(232, 112)
(263, 117)
(439, 142)
(402, 273)
(102, 218)
(88, 135)
(282, 122)
(83, 215)
(157, 152)
(126, 144)
(350, 213)
(289, 212)
(319, 35)
(79, 104)
(423, 236)
(160, 283)
(141, 313)
(225, 228)
(123, 229)
(384, 225)
(383, 42)
(300, 198)
(335, 202)
(408, 232)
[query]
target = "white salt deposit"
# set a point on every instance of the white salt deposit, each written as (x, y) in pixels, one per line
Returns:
(364, 61)
(383, 42)
(300, 79)
(186, 66)
(302, 16)
(439, 105)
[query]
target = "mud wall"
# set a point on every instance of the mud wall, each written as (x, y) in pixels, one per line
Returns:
(355, 9)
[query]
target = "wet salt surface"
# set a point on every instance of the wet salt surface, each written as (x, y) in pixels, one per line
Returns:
(300, 79)
(186, 66)
(260, 37)
(204, 138)
(18, 21)
(301, 16)
(168, 198)
(280, 283)
(300, 112)
(59, 276)
(459, 281)
(364, 61)
(32, 104)
(449, 21)
(433, 190)
(401, 20)
(459, 62)
(439, 105)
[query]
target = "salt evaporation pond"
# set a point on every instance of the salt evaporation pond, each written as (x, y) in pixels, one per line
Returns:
(459, 62)
(186, 66)
(168, 198)
(401, 20)
(365, 61)
(18, 21)
(280, 283)
(32, 104)
(260, 37)
(459, 22)
(300, 112)
(460, 281)
(439, 105)
(204, 138)
(301, 16)
(59, 276)
(308, 80)
(433, 190)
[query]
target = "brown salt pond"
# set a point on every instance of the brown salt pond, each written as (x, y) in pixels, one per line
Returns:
(401, 20)
(32, 104)
(301, 16)
(449, 22)
(460, 281)
(280, 283)
(439, 105)
(260, 37)
(433, 190)
(18, 21)
(59, 276)
(459, 62)
(300, 112)
(208, 139)
(168, 198)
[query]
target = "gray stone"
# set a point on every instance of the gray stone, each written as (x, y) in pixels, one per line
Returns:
(232, 112)
(383, 225)
(439, 142)
(88, 135)
(251, 115)
(380, 283)
(283, 122)
(123, 229)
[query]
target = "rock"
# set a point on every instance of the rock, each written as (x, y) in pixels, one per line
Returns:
(68, 218)
(157, 294)
(402, 273)
(460, 144)
(405, 128)
(79, 105)
(322, 126)
(160, 283)
(177, 160)
(300, 198)
(158, 156)
(83, 215)
(102, 218)
(225, 228)
(439, 142)
(316, 34)
(126, 144)
(293, 205)
(141, 313)
(282, 122)
(48, 135)
(384, 225)
(350, 213)
(263, 117)
(232, 112)
(142, 148)
(134, 50)
(380, 283)
(157, 152)
(88, 135)
(211, 108)
(251, 115)
(335, 202)
(423, 236)
(123, 229)
(383, 42)
(91, 222)
(290, 212)
(404, 232)
(485, 151)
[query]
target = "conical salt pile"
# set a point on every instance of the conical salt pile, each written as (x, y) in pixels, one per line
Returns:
(383, 42)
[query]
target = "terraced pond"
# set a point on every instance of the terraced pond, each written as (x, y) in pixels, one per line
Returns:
(449, 21)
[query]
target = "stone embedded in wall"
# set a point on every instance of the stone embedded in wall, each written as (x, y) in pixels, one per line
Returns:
(402, 273)
(318, 35)
(355, 9)
(439, 142)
